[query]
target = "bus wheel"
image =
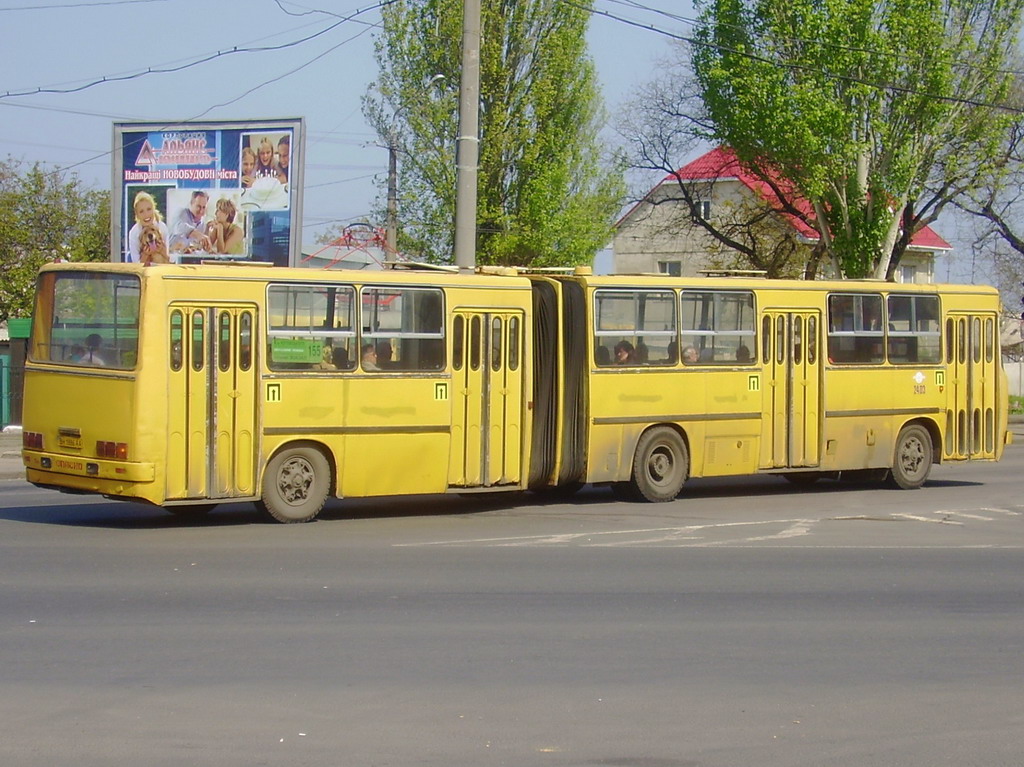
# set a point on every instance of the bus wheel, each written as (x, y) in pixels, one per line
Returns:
(295, 485)
(661, 464)
(913, 458)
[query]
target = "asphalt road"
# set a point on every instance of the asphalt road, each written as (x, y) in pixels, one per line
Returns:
(747, 623)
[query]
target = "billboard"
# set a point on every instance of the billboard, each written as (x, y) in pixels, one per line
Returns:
(191, 192)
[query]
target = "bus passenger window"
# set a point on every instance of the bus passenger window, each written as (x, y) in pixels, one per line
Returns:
(856, 330)
(458, 342)
(720, 324)
(198, 337)
(513, 343)
(307, 323)
(177, 332)
(224, 342)
(245, 341)
(913, 332)
(645, 319)
(405, 325)
(475, 339)
(496, 345)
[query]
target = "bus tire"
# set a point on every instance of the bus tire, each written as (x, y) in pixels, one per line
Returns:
(295, 484)
(913, 458)
(661, 464)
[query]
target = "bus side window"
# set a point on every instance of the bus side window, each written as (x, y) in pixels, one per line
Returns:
(474, 343)
(641, 321)
(198, 338)
(513, 343)
(914, 333)
(310, 327)
(224, 342)
(496, 345)
(458, 342)
(406, 326)
(245, 341)
(177, 332)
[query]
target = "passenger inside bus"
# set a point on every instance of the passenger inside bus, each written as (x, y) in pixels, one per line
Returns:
(369, 357)
(340, 358)
(384, 355)
(91, 354)
(624, 353)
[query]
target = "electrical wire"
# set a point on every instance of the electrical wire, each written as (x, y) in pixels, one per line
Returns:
(890, 87)
(196, 62)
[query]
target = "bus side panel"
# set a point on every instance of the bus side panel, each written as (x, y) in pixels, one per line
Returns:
(732, 440)
(389, 435)
(858, 422)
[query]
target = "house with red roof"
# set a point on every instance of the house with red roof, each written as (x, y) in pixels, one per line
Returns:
(659, 235)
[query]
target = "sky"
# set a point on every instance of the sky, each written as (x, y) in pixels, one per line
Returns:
(104, 51)
(74, 43)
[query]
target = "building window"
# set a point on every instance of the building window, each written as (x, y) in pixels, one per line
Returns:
(671, 268)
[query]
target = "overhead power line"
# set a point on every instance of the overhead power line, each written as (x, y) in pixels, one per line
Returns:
(891, 87)
(63, 6)
(196, 62)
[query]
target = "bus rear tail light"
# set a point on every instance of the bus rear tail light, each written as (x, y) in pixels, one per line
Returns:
(32, 440)
(116, 450)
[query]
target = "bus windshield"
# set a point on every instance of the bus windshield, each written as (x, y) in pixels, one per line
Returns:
(87, 319)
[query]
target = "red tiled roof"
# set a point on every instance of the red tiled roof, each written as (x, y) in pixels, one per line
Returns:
(721, 163)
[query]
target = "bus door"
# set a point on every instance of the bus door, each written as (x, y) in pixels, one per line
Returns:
(487, 401)
(211, 401)
(973, 367)
(791, 355)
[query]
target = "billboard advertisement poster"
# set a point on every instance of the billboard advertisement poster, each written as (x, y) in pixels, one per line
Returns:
(211, 191)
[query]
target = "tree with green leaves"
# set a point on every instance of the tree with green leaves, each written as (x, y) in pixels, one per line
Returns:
(878, 112)
(545, 194)
(45, 217)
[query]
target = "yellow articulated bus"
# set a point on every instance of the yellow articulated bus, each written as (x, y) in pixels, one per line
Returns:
(190, 386)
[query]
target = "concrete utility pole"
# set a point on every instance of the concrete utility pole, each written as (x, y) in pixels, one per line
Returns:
(467, 153)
